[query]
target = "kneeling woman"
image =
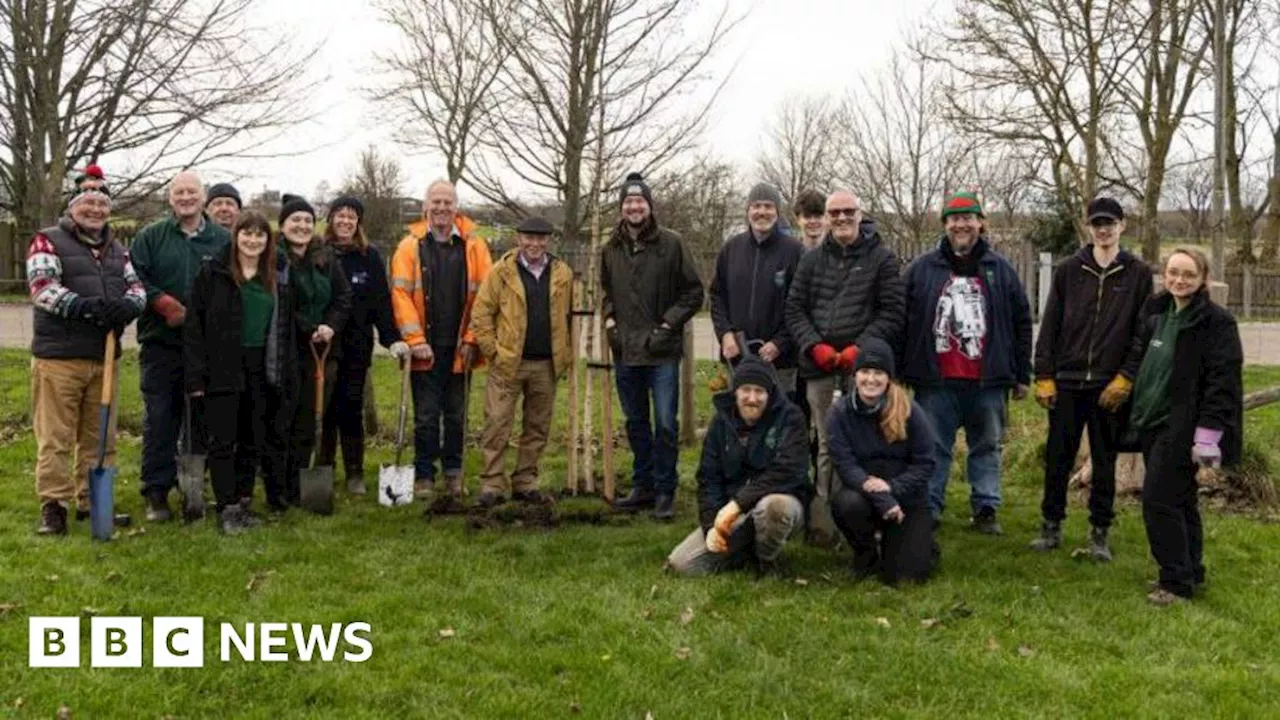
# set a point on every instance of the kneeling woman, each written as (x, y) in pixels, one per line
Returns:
(241, 357)
(1188, 409)
(881, 444)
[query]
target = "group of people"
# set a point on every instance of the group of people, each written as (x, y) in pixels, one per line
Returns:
(823, 331)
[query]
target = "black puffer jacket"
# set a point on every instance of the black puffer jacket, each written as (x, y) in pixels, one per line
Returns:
(1206, 388)
(211, 334)
(844, 295)
(1090, 318)
(647, 282)
(774, 457)
(749, 290)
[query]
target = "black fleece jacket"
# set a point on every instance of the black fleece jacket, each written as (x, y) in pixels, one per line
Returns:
(749, 290)
(370, 304)
(746, 463)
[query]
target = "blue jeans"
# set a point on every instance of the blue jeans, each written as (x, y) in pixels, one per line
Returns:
(654, 468)
(981, 411)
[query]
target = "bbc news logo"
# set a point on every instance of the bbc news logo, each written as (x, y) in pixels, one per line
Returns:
(178, 642)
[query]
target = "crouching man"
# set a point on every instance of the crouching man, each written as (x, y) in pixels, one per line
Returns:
(752, 480)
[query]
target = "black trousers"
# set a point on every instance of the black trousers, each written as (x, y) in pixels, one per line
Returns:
(1171, 511)
(905, 551)
(1076, 411)
(438, 398)
(162, 377)
(344, 420)
(302, 440)
(244, 433)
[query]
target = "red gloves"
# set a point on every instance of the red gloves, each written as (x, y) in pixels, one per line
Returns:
(825, 357)
(848, 357)
(168, 307)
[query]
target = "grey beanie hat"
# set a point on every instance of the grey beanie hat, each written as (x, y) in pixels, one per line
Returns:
(764, 192)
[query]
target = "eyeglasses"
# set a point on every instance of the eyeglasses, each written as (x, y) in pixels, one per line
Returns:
(843, 212)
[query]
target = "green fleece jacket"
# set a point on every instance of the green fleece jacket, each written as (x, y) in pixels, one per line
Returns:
(167, 262)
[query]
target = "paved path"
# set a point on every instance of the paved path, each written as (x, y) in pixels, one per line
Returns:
(1261, 340)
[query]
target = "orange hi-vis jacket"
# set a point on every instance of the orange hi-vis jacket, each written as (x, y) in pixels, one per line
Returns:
(409, 297)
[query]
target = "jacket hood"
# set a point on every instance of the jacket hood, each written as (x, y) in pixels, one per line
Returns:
(419, 228)
(868, 239)
(1085, 255)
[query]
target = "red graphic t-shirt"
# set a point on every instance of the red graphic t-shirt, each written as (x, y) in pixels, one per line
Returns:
(960, 327)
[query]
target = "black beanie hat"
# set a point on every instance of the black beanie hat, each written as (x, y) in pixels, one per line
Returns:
(290, 204)
(751, 370)
(224, 190)
(876, 355)
(347, 201)
(635, 185)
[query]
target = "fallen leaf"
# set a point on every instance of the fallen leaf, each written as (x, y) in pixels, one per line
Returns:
(647, 614)
(653, 591)
(87, 610)
(802, 582)
(606, 657)
(1254, 667)
(648, 715)
(51, 578)
(929, 623)
(1035, 589)
(960, 609)
(447, 633)
(112, 576)
(64, 713)
(993, 645)
(1024, 651)
(686, 616)
(17, 704)
(136, 532)
(257, 579)
(575, 707)
(826, 577)
(883, 622)
(7, 608)
(683, 653)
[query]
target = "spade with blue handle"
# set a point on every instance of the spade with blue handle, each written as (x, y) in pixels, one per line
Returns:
(101, 478)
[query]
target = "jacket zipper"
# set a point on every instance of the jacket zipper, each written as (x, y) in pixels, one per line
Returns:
(1097, 310)
(755, 268)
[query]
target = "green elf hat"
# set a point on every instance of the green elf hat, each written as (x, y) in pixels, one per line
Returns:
(962, 203)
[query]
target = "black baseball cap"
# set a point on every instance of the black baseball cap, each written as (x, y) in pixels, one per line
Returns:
(535, 226)
(1105, 207)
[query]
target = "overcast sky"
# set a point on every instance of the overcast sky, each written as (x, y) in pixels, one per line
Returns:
(783, 48)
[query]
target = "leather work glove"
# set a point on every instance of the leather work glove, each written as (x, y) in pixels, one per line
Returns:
(727, 516)
(399, 349)
(716, 542)
(848, 357)
(1205, 451)
(1116, 392)
(825, 357)
(1046, 393)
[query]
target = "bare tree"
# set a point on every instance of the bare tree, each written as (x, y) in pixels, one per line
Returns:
(571, 62)
(1190, 188)
(1045, 74)
(378, 181)
(899, 154)
(706, 201)
(441, 78)
(800, 143)
(156, 85)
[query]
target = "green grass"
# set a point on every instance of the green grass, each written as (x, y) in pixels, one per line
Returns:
(582, 617)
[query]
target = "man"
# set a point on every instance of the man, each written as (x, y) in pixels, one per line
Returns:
(651, 289)
(82, 287)
(968, 342)
(752, 478)
(435, 274)
(810, 207)
(521, 324)
(749, 289)
(167, 255)
(845, 292)
(224, 205)
(1091, 316)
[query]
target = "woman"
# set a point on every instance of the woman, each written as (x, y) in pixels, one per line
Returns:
(241, 357)
(324, 302)
(1187, 407)
(882, 446)
(364, 270)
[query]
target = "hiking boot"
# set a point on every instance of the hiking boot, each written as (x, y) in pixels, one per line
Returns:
(53, 519)
(355, 485)
(488, 500)
(422, 488)
(1160, 597)
(453, 481)
(1099, 550)
(232, 520)
(532, 497)
(664, 507)
(1050, 537)
(985, 522)
(636, 500)
(158, 507)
